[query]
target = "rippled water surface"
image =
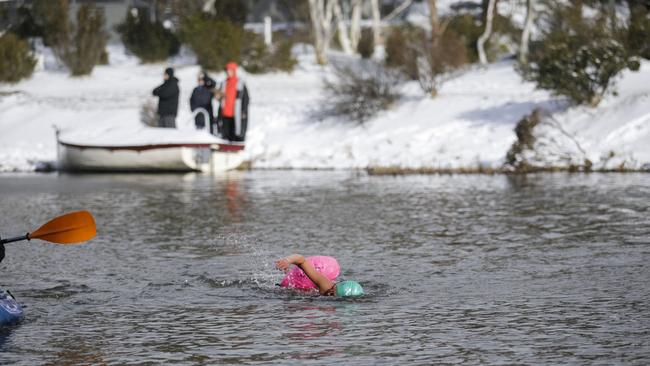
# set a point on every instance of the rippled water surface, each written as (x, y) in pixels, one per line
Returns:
(544, 269)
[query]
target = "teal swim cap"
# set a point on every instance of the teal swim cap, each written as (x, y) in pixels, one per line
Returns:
(348, 288)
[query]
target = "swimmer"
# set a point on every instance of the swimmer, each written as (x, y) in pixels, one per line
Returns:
(325, 286)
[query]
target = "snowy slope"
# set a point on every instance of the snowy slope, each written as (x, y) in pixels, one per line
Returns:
(615, 135)
(469, 125)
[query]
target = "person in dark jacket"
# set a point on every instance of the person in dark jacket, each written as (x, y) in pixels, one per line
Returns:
(167, 95)
(233, 106)
(202, 98)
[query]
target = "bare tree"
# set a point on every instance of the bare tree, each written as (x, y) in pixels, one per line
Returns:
(525, 35)
(321, 13)
(342, 29)
(398, 10)
(324, 12)
(355, 23)
(433, 17)
(480, 44)
(376, 22)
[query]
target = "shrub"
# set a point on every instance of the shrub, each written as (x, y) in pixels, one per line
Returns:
(149, 113)
(281, 57)
(52, 17)
(151, 42)
(436, 58)
(215, 42)
(257, 58)
(469, 27)
(578, 58)
(233, 11)
(423, 58)
(25, 24)
(525, 140)
(638, 31)
(401, 50)
(103, 58)
(255, 54)
(79, 46)
(360, 90)
(16, 61)
(366, 46)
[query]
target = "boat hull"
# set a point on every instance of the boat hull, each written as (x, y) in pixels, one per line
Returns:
(150, 158)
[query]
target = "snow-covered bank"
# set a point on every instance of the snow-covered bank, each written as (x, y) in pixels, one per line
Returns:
(613, 136)
(469, 125)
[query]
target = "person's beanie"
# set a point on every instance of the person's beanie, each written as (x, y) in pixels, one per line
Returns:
(170, 72)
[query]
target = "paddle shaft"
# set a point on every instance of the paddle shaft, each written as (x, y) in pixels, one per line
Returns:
(17, 238)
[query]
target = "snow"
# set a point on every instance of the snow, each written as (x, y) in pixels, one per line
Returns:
(613, 135)
(469, 125)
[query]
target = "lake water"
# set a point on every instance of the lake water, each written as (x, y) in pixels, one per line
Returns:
(540, 269)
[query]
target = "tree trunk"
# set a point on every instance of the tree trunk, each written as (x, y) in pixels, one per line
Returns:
(355, 24)
(525, 34)
(342, 28)
(398, 10)
(480, 44)
(320, 14)
(376, 23)
(433, 18)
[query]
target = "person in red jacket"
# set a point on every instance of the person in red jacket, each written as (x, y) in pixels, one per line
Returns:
(233, 106)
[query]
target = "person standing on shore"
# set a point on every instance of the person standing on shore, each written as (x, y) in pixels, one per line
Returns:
(233, 106)
(202, 98)
(167, 94)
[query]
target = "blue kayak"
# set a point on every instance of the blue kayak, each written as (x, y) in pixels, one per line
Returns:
(10, 311)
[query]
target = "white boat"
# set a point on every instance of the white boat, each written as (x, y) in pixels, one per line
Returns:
(147, 149)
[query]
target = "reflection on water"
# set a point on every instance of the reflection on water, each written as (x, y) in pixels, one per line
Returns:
(76, 351)
(538, 269)
(312, 321)
(233, 199)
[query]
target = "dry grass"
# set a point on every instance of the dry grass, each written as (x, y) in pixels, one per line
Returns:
(493, 171)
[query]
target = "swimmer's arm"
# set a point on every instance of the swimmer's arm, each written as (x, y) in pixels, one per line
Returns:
(316, 277)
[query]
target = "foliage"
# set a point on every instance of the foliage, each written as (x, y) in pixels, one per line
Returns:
(16, 61)
(234, 11)
(469, 28)
(149, 113)
(215, 42)
(525, 139)
(577, 57)
(638, 31)
(103, 58)
(52, 19)
(254, 53)
(80, 46)
(362, 89)
(437, 58)
(281, 58)
(366, 45)
(401, 49)
(26, 25)
(258, 58)
(151, 42)
(424, 58)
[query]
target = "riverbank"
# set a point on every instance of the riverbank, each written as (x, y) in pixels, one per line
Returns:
(469, 127)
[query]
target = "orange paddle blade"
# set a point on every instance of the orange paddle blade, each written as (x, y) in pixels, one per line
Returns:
(70, 228)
